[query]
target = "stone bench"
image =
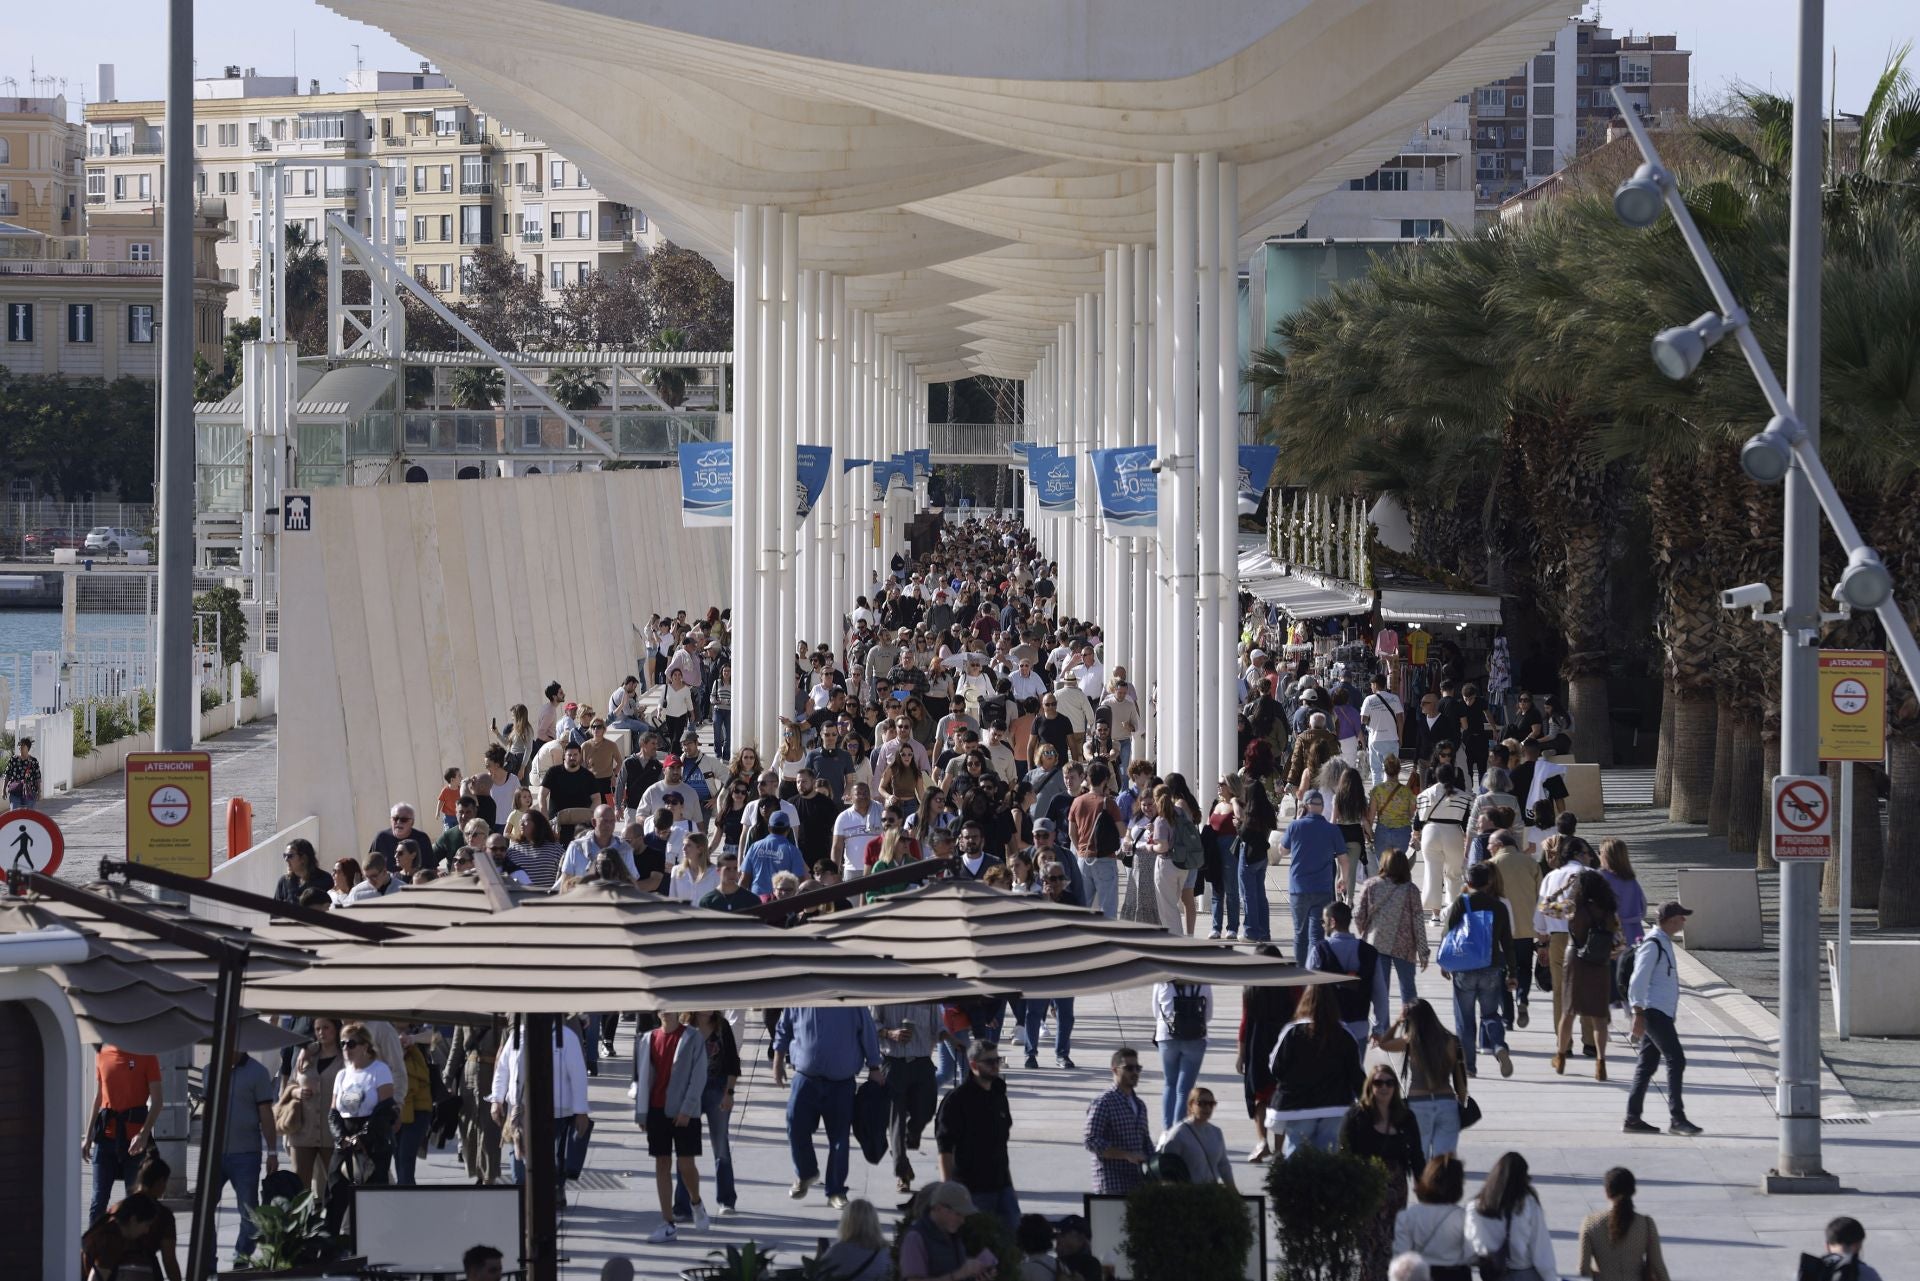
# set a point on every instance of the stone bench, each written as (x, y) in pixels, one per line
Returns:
(1726, 908)
(1583, 793)
(1884, 995)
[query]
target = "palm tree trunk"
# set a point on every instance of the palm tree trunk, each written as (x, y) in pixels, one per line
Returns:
(1663, 758)
(1721, 794)
(1770, 766)
(1592, 723)
(1869, 843)
(1900, 870)
(1746, 794)
(1694, 717)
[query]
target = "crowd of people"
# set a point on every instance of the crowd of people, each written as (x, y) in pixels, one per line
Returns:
(962, 718)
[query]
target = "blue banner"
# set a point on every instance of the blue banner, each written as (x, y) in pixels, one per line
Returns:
(1039, 458)
(1256, 469)
(1128, 487)
(811, 465)
(922, 460)
(706, 484)
(848, 464)
(1057, 484)
(885, 472)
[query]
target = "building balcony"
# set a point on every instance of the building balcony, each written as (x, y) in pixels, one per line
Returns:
(530, 189)
(127, 149)
(262, 144)
(50, 267)
(532, 236)
(476, 237)
(483, 187)
(9, 209)
(393, 140)
(341, 193)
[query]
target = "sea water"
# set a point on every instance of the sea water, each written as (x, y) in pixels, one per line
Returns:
(23, 631)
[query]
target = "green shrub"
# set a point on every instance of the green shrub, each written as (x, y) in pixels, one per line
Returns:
(225, 602)
(1323, 1203)
(211, 696)
(249, 683)
(1187, 1232)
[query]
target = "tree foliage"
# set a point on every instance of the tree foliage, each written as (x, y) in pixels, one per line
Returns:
(78, 437)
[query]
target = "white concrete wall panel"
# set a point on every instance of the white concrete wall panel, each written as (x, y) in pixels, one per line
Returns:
(412, 616)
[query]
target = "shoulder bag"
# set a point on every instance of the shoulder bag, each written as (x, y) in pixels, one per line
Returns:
(289, 1111)
(1493, 1267)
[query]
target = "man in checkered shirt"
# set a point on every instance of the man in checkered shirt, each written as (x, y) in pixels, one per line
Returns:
(1117, 1136)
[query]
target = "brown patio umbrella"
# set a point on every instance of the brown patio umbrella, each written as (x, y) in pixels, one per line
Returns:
(432, 906)
(597, 947)
(123, 998)
(1026, 944)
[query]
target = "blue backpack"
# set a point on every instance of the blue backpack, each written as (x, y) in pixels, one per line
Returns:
(1468, 945)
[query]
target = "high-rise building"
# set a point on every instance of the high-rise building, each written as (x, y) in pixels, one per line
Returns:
(39, 166)
(459, 179)
(1420, 192)
(1528, 126)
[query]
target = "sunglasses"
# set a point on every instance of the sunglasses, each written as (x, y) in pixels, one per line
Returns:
(364, 1045)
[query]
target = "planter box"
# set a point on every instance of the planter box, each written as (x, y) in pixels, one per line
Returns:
(1884, 999)
(1726, 909)
(110, 759)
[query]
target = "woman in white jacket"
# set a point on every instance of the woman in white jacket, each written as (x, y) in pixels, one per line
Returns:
(669, 1077)
(1435, 1225)
(1506, 1222)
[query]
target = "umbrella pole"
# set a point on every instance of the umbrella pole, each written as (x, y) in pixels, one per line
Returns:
(540, 1195)
(213, 1128)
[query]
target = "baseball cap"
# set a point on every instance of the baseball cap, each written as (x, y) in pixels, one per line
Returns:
(1674, 907)
(953, 1196)
(779, 822)
(1072, 1223)
(670, 761)
(1045, 825)
(1314, 799)
(573, 707)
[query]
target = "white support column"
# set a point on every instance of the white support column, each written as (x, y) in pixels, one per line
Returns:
(1227, 499)
(780, 654)
(767, 477)
(1163, 327)
(1140, 428)
(840, 482)
(1120, 345)
(1086, 435)
(747, 416)
(1179, 732)
(800, 582)
(1065, 548)
(1208, 463)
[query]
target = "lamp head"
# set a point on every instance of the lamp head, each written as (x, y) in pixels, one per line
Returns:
(1677, 352)
(1639, 200)
(1768, 455)
(1864, 583)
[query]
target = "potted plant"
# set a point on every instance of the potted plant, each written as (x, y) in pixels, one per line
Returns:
(1187, 1232)
(1323, 1203)
(736, 1263)
(292, 1239)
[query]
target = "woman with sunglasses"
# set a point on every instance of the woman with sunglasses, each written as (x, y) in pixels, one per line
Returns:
(1382, 1127)
(730, 811)
(361, 1121)
(1198, 1142)
(303, 872)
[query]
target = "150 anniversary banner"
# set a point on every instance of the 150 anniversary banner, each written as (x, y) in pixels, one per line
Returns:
(1127, 487)
(706, 481)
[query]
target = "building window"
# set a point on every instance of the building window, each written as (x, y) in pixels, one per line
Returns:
(419, 177)
(80, 322)
(419, 227)
(556, 173)
(140, 323)
(1582, 70)
(1542, 161)
(140, 251)
(446, 177)
(446, 120)
(96, 184)
(476, 175)
(446, 228)
(639, 222)
(200, 135)
(1488, 163)
(559, 227)
(1492, 97)
(466, 274)
(19, 322)
(230, 134)
(583, 225)
(253, 133)
(1381, 180)
(1518, 101)
(557, 275)
(476, 224)
(1414, 228)
(321, 128)
(1516, 133)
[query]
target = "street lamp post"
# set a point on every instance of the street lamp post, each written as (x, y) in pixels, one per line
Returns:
(1787, 450)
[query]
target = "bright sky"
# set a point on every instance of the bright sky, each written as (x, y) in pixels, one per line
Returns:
(1746, 40)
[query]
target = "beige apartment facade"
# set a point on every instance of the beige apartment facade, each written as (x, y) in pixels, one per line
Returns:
(40, 166)
(458, 180)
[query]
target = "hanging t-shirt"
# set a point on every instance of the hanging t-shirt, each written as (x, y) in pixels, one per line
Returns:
(1387, 643)
(1417, 643)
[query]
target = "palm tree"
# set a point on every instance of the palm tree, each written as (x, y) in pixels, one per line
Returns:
(478, 387)
(670, 382)
(576, 386)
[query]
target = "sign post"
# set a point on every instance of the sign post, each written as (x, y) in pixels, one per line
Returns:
(170, 812)
(1853, 727)
(1802, 818)
(31, 842)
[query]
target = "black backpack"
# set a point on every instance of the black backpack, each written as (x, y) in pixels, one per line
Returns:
(1189, 1021)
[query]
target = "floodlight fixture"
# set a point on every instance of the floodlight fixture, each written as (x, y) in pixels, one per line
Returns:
(1768, 456)
(1639, 200)
(1677, 352)
(1864, 583)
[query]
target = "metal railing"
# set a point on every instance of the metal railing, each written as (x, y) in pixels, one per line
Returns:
(978, 439)
(476, 237)
(52, 267)
(532, 235)
(476, 187)
(650, 434)
(35, 529)
(9, 208)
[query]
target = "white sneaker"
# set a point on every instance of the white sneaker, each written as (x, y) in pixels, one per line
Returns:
(727, 1212)
(700, 1220)
(664, 1233)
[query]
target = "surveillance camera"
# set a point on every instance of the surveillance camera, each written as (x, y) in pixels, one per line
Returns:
(1754, 596)
(1154, 466)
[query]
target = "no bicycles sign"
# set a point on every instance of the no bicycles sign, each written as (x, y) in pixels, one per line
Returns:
(1802, 817)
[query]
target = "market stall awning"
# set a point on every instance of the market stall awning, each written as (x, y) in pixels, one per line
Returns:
(597, 947)
(1398, 605)
(1022, 943)
(1300, 594)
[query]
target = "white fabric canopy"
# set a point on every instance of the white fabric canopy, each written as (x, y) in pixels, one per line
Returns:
(1300, 597)
(1399, 606)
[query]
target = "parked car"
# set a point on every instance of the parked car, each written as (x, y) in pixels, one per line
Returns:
(43, 542)
(113, 540)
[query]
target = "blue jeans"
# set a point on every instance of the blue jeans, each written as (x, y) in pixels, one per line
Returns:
(561, 1124)
(1253, 893)
(952, 1057)
(723, 733)
(1004, 1202)
(1389, 838)
(1226, 898)
(1103, 884)
(1378, 749)
(722, 1143)
(1439, 1124)
(1062, 1025)
(811, 1101)
(1478, 991)
(1307, 927)
(409, 1141)
(111, 1165)
(1382, 977)
(1180, 1063)
(242, 1170)
(1321, 1132)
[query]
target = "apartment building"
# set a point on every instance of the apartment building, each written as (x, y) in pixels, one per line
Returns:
(1527, 127)
(40, 166)
(90, 307)
(1424, 190)
(458, 179)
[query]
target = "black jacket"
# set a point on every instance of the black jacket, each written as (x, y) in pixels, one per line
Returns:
(1306, 1077)
(973, 1126)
